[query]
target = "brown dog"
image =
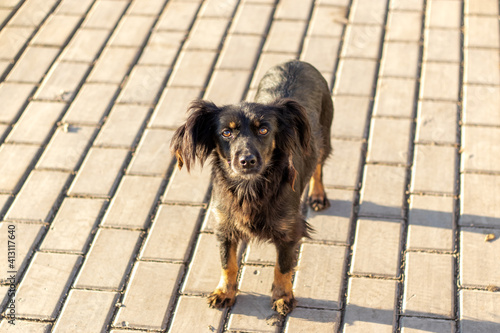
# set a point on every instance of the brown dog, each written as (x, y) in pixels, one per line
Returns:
(264, 154)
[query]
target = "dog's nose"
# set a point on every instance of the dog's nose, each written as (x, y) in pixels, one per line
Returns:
(248, 161)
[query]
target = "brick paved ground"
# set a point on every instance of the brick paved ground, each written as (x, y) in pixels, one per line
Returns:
(110, 237)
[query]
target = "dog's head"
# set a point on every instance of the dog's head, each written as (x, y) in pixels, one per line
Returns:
(245, 136)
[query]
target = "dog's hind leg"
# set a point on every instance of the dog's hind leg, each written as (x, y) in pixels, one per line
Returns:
(317, 195)
(225, 293)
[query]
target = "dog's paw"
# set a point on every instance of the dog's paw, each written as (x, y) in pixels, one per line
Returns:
(319, 203)
(219, 299)
(284, 305)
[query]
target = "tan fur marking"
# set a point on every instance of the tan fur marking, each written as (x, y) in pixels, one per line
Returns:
(283, 301)
(225, 293)
(232, 125)
(316, 188)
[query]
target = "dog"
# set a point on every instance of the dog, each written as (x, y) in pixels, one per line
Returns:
(264, 154)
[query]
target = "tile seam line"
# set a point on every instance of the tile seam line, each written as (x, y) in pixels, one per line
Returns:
(14, 11)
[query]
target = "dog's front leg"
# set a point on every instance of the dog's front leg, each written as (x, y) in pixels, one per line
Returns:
(225, 293)
(282, 300)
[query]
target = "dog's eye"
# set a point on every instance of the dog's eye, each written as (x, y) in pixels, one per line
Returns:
(263, 131)
(226, 133)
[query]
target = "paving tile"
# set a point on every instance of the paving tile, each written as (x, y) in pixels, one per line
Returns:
(422, 325)
(185, 319)
(4, 198)
(62, 81)
(333, 224)
(370, 305)
(56, 30)
(351, 116)
(85, 45)
(368, 12)
(36, 122)
(36, 199)
(78, 316)
(383, 191)
(215, 8)
(152, 156)
(377, 247)
(406, 5)
(46, 281)
(389, 140)
(404, 26)
(171, 108)
(162, 48)
(293, 10)
(443, 14)
(430, 223)
(477, 208)
(319, 279)
(73, 7)
(285, 36)
(260, 253)
(132, 203)
(395, 97)
(327, 21)
(478, 153)
(480, 104)
(32, 13)
(149, 295)
(12, 40)
(108, 260)
(440, 81)
(15, 162)
(240, 52)
(436, 122)
(178, 16)
(362, 41)
(266, 61)
(22, 326)
(187, 187)
(252, 18)
(434, 169)
(144, 84)
(192, 69)
(105, 14)
(479, 311)
(122, 126)
(91, 104)
(355, 77)
(487, 7)
(314, 50)
(113, 65)
(481, 66)
(477, 257)
(342, 168)
(72, 227)
(207, 33)
(151, 7)
(442, 45)
(227, 86)
(171, 234)
(400, 59)
(132, 31)
(99, 172)
(429, 285)
(33, 64)
(312, 320)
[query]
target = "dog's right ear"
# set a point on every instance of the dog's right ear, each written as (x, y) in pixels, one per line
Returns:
(195, 139)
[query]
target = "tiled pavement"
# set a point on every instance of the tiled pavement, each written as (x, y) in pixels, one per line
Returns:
(109, 236)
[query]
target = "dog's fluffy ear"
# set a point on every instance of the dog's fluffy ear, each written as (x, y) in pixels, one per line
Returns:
(195, 139)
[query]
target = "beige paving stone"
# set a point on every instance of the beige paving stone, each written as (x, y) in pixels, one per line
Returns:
(144, 84)
(389, 140)
(481, 66)
(122, 126)
(443, 14)
(152, 156)
(36, 122)
(73, 7)
(436, 122)
(422, 325)
(434, 169)
(370, 305)
(149, 295)
(178, 15)
(66, 148)
(362, 41)
(78, 316)
(239, 52)
(46, 281)
(227, 86)
(13, 97)
(293, 10)
(314, 50)
(105, 14)
(72, 227)
(33, 64)
(133, 201)
(383, 191)
(478, 256)
(479, 152)
(215, 8)
(400, 59)
(405, 4)
(312, 320)
(368, 12)
(207, 33)
(442, 45)
(15, 162)
(395, 97)
(12, 40)
(333, 224)
(162, 48)
(62, 81)
(132, 31)
(188, 187)
(22, 326)
(112, 65)
(327, 21)
(171, 234)
(479, 311)
(404, 26)
(440, 81)
(429, 285)
(151, 7)
(38, 195)
(260, 254)
(172, 106)
(476, 207)
(480, 103)
(99, 172)
(185, 319)
(252, 18)
(32, 13)
(27, 237)
(355, 77)
(285, 36)
(430, 223)
(266, 61)
(56, 30)
(108, 260)
(377, 247)
(351, 116)
(85, 45)
(487, 7)
(91, 104)
(192, 69)
(319, 279)
(4, 65)
(342, 167)
(4, 198)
